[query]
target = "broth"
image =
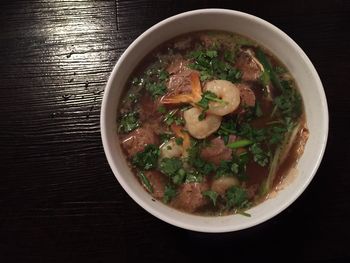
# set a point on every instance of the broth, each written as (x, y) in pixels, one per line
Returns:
(210, 122)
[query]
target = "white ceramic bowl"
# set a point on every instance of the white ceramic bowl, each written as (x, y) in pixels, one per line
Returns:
(266, 35)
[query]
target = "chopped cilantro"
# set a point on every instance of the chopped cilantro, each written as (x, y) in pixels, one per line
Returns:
(236, 197)
(164, 137)
(171, 118)
(147, 159)
(161, 109)
(169, 193)
(289, 103)
(259, 155)
(212, 195)
(179, 141)
(208, 96)
(196, 161)
(156, 89)
(172, 167)
(129, 122)
(226, 129)
(212, 65)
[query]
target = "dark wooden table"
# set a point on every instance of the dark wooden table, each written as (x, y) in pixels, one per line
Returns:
(60, 202)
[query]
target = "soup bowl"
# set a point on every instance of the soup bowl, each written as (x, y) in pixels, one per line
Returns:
(268, 36)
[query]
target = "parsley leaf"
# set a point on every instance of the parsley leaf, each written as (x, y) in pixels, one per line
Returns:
(129, 122)
(147, 159)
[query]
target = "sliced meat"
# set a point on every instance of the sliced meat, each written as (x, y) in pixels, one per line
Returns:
(158, 182)
(247, 95)
(149, 108)
(252, 190)
(217, 151)
(179, 80)
(250, 69)
(149, 114)
(177, 65)
(136, 141)
(190, 196)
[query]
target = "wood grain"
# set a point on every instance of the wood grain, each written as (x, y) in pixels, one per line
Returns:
(58, 198)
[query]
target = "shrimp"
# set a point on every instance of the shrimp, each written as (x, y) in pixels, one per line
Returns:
(228, 92)
(201, 129)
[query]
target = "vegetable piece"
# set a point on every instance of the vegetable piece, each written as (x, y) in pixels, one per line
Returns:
(259, 155)
(278, 158)
(156, 89)
(213, 65)
(172, 167)
(212, 195)
(145, 182)
(169, 193)
(236, 197)
(268, 73)
(129, 122)
(240, 144)
(289, 103)
(226, 129)
(194, 159)
(147, 159)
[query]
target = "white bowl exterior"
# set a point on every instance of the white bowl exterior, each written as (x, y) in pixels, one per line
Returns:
(268, 36)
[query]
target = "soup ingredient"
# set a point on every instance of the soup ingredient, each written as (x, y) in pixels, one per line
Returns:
(147, 159)
(136, 140)
(192, 97)
(201, 129)
(154, 182)
(170, 149)
(222, 184)
(227, 92)
(213, 123)
(190, 196)
(129, 122)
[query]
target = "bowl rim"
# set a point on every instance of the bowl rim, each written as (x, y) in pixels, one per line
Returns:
(194, 227)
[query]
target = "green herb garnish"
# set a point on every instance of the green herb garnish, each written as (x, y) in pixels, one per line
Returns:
(169, 193)
(236, 197)
(145, 182)
(212, 195)
(213, 66)
(129, 122)
(172, 167)
(147, 159)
